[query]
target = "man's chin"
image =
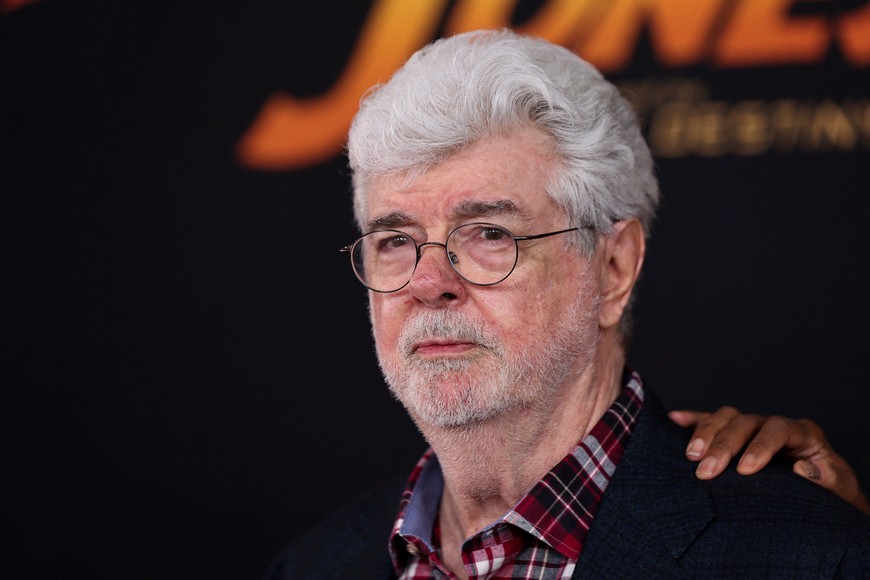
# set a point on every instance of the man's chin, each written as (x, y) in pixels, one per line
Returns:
(449, 418)
(448, 408)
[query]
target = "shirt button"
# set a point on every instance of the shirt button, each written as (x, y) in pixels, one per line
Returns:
(412, 549)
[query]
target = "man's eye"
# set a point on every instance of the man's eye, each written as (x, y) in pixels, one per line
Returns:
(394, 242)
(494, 234)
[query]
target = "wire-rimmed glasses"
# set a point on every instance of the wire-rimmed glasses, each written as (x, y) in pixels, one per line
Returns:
(480, 253)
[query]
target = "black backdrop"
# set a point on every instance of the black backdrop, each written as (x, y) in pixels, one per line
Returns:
(186, 364)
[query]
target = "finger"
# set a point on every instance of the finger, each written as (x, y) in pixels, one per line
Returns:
(685, 418)
(808, 469)
(706, 428)
(815, 460)
(775, 434)
(834, 474)
(726, 444)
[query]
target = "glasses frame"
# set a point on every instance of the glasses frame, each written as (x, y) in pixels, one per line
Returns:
(349, 249)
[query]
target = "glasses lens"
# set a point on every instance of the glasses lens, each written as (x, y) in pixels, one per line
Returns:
(483, 254)
(384, 261)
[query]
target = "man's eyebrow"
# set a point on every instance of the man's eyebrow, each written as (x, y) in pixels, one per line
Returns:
(466, 209)
(476, 208)
(389, 221)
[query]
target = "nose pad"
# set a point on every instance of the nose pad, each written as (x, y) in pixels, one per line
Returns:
(453, 258)
(437, 268)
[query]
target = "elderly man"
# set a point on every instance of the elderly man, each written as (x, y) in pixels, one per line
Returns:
(507, 195)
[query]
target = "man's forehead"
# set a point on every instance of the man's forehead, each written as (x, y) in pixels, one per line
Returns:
(516, 167)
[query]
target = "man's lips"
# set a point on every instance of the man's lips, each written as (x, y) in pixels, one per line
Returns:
(442, 347)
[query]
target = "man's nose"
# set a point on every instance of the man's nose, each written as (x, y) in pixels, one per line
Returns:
(434, 281)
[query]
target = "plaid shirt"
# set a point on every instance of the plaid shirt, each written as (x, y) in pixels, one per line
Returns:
(542, 536)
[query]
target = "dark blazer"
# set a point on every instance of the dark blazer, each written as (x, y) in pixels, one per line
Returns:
(656, 520)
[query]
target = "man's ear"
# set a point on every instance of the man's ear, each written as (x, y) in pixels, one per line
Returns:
(621, 258)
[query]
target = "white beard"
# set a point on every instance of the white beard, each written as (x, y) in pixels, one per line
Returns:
(459, 391)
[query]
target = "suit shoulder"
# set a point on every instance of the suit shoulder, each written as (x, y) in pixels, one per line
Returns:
(774, 524)
(349, 540)
(776, 492)
(778, 523)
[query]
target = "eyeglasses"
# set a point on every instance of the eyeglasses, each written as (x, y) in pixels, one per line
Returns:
(480, 253)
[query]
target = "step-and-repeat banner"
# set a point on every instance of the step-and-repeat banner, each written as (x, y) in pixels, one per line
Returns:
(187, 370)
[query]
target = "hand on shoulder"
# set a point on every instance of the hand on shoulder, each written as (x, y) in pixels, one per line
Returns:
(721, 435)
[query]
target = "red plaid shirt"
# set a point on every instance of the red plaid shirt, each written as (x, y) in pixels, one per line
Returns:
(542, 536)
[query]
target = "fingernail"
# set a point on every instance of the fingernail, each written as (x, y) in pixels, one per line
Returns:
(748, 462)
(705, 469)
(809, 470)
(696, 446)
